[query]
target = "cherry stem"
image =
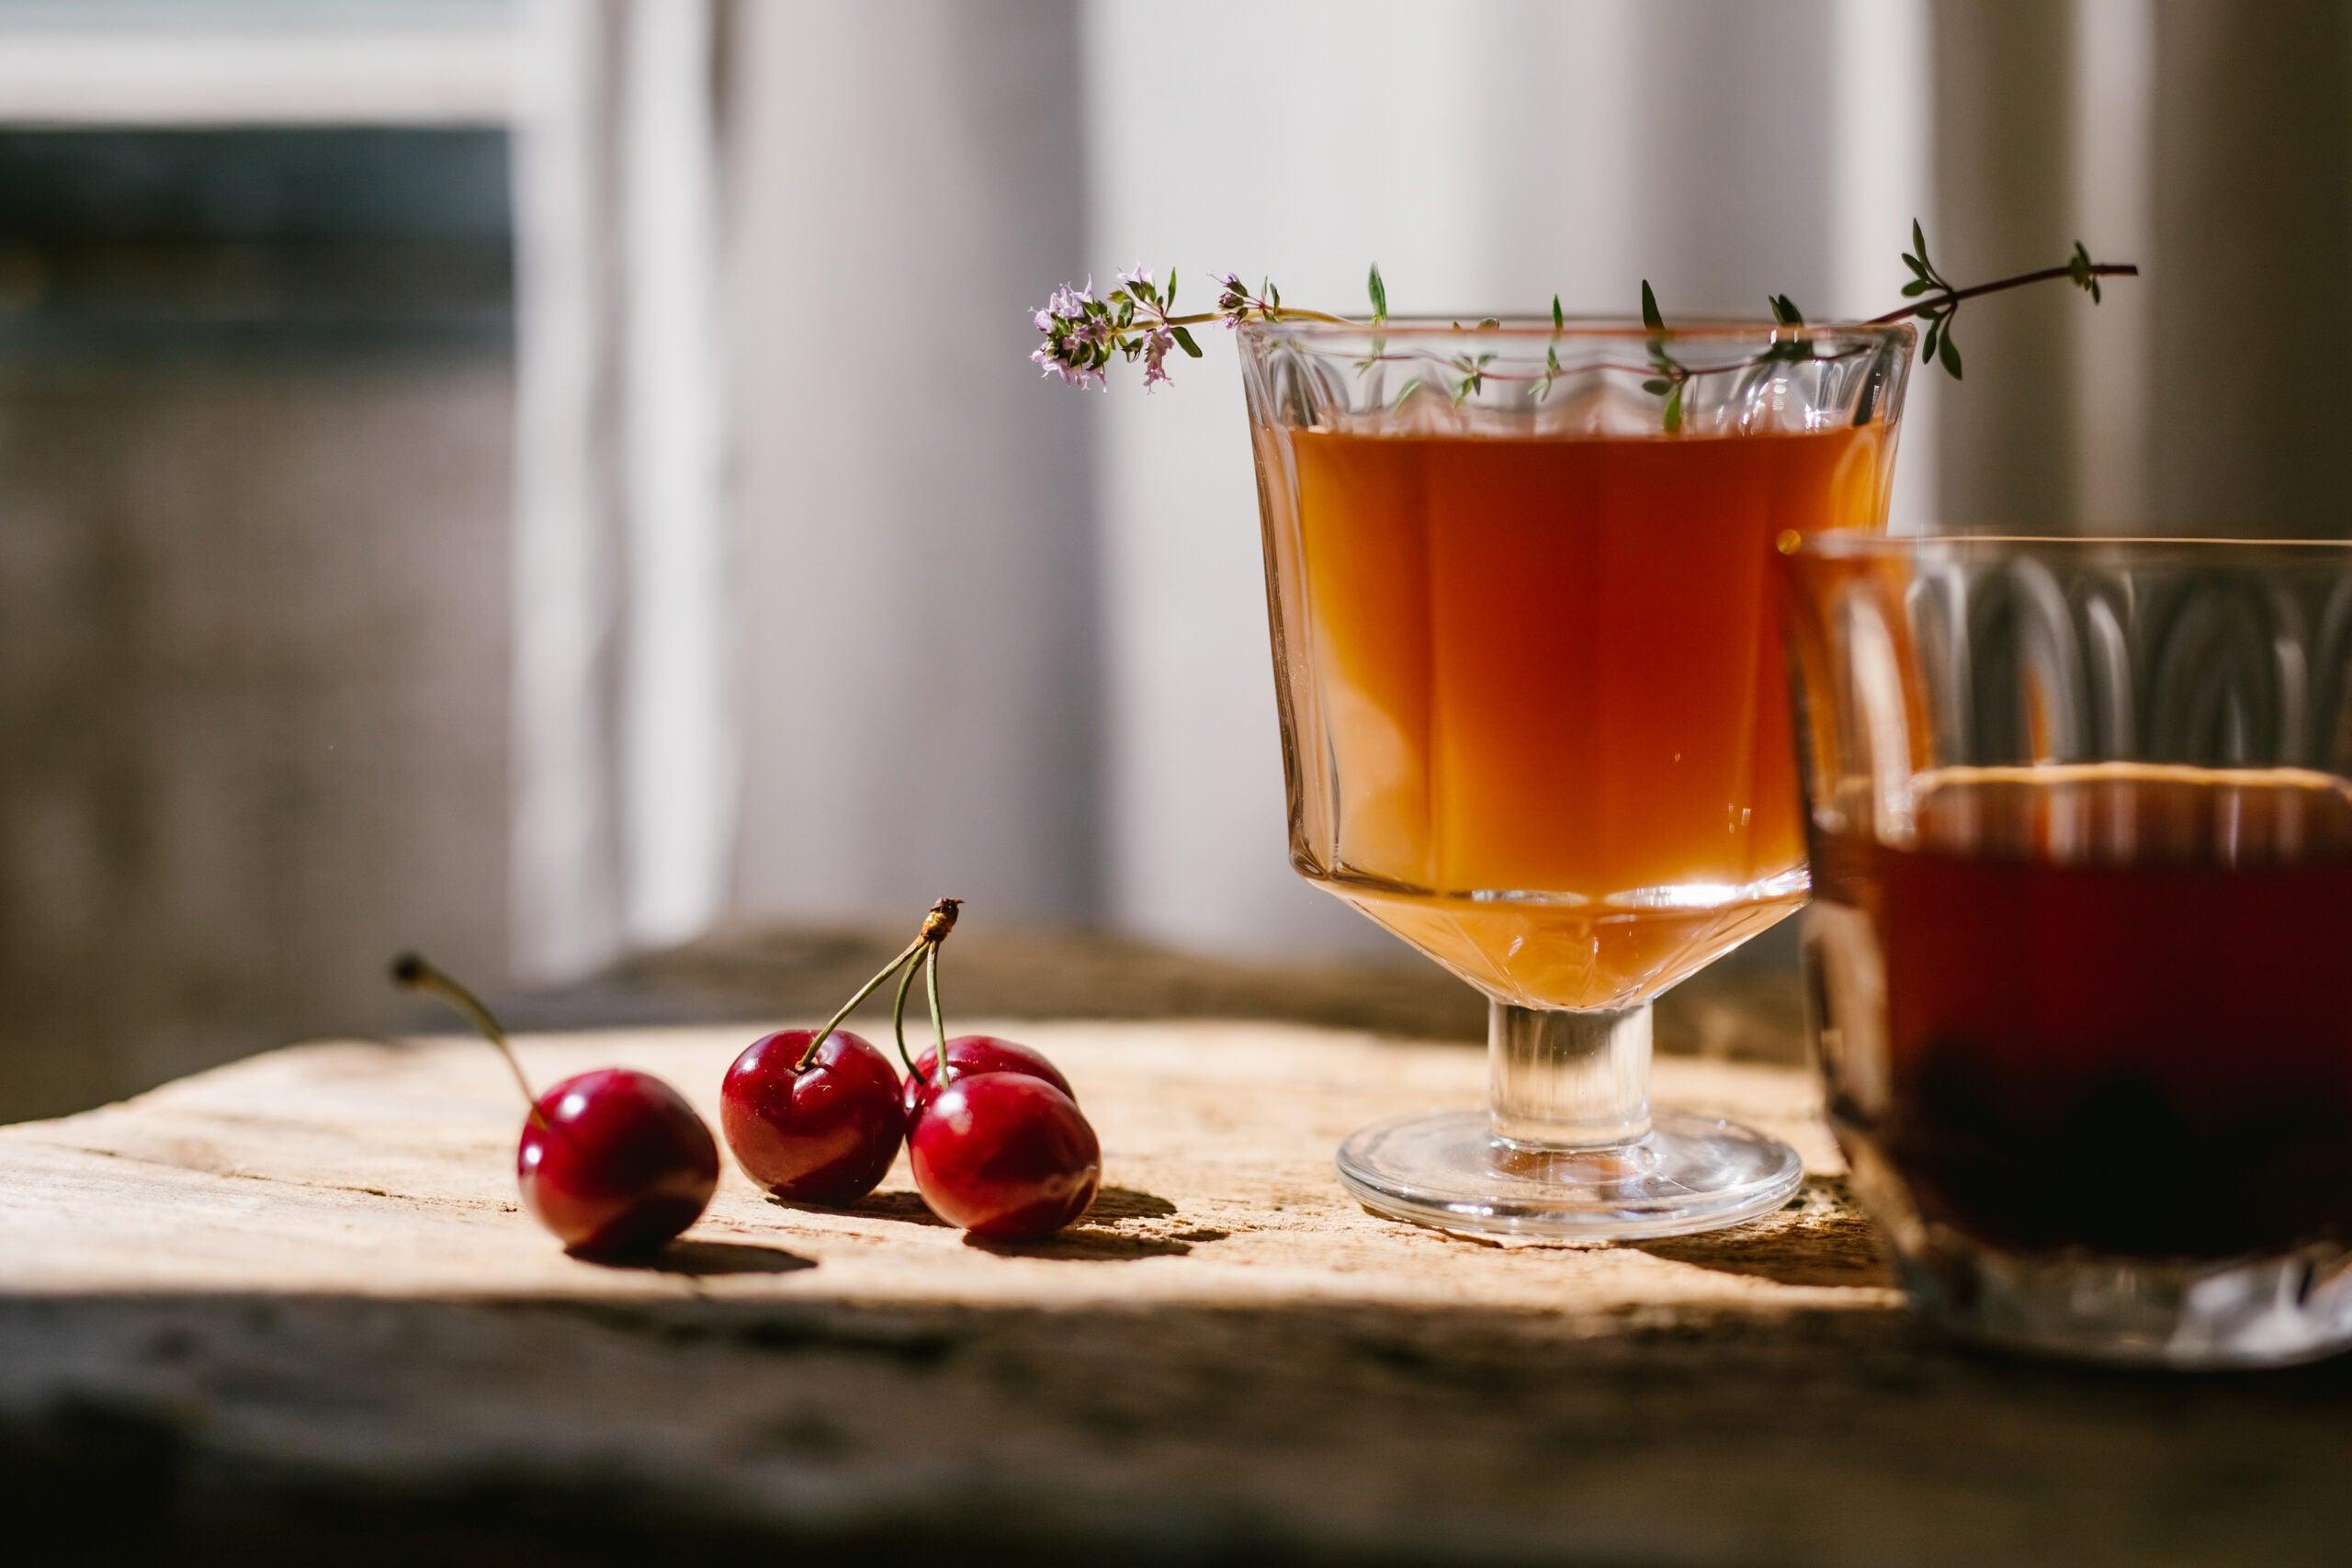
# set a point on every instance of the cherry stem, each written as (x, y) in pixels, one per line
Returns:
(938, 1019)
(898, 1020)
(851, 1006)
(411, 972)
(936, 924)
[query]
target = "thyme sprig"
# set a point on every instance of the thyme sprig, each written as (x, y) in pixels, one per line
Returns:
(1941, 301)
(1136, 321)
(1671, 372)
(1552, 350)
(1936, 342)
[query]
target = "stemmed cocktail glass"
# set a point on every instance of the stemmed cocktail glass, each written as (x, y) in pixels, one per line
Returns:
(1535, 710)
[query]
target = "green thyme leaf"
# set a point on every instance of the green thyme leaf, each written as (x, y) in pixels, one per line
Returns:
(1949, 352)
(1185, 341)
(1650, 317)
(1673, 409)
(1379, 292)
(1168, 300)
(1559, 318)
(1657, 386)
(1785, 312)
(1412, 384)
(2078, 266)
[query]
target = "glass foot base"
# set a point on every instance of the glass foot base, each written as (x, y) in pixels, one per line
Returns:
(1691, 1173)
(2245, 1312)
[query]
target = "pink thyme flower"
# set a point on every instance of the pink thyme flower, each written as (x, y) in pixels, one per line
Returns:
(1067, 305)
(1155, 344)
(1139, 277)
(1079, 376)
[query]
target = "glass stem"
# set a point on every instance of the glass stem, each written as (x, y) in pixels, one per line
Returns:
(1568, 1080)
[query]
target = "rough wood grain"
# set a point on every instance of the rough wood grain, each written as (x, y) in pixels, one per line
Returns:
(295, 1300)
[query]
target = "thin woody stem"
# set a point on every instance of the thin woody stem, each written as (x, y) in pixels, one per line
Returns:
(1283, 313)
(898, 1020)
(851, 1006)
(1204, 318)
(1942, 298)
(938, 1019)
(1955, 296)
(936, 923)
(410, 971)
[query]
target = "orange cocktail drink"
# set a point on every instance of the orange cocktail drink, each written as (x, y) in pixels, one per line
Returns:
(1550, 677)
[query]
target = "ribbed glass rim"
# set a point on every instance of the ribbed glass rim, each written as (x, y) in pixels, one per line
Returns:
(1847, 544)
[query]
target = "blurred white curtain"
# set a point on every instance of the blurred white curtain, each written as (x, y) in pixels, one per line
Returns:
(627, 755)
(919, 695)
(953, 629)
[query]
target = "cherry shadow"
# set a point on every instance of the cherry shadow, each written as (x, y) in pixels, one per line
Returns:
(1097, 1238)
(699, 1259)
(1115, 1203)
(1081, 1244)
(906, 1206)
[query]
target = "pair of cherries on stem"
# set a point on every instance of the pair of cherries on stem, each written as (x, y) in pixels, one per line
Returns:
(613, 1162)
(993, 1133)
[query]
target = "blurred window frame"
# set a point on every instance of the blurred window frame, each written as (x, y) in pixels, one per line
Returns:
(221, 63)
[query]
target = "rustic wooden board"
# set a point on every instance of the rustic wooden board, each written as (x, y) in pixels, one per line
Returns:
(294, 1303)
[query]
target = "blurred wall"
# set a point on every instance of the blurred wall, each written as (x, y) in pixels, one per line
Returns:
(256, 431)
(817, 602)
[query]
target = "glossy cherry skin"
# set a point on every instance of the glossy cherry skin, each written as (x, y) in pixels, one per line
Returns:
(825, 1135)
(616, 1162)
(1006, 1156)
(976, 1054)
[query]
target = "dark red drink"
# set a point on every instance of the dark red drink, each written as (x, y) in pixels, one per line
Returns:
(2117, 1006)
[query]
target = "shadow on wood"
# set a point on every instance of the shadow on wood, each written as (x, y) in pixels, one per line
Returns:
(1818, 1238)
(595, 1429)
(699, 1259)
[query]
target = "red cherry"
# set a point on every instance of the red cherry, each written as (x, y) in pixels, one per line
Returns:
(612, 1161)
(975, 1054)
(1005, 1156)
(615, 1162)
(824, 1134)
